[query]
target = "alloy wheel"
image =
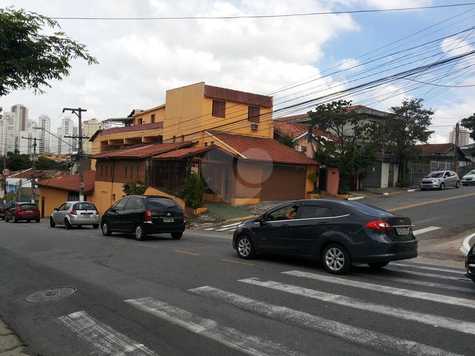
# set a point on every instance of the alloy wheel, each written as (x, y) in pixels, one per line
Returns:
(105, 229)
(335, 259)
(139, 234)
(244, 247)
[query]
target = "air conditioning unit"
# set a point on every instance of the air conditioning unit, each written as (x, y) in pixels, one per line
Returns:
(254, 126)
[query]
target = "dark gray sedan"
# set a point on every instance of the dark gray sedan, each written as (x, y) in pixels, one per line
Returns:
(338, 233)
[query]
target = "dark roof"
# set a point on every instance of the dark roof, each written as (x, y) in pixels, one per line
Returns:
(262, 149)
(237, 96)
(142, 151)
(441, 149)
(185, 152)
(71, 182)
(294, 130)
(359, 109)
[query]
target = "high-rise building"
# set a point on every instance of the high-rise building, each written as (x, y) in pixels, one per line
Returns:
(66, 145)
(464, 137)
(9, 139)
(89, 128)
(45, 138)
(20, 114)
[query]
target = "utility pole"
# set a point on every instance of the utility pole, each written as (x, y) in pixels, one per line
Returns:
(457, 142)
(33, 163)
(78, 112)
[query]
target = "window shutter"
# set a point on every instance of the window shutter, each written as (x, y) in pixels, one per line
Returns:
(253, 113)
(219, 108)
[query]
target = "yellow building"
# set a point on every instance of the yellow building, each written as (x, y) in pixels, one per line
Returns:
(89, 128)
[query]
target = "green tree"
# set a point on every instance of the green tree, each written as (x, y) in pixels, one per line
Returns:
(408, 126)
(353, 149)
(32, 56)
(193, 191)
(134, 188)
(285, 140)
(17, 162)
(44, 163)
(469, 123)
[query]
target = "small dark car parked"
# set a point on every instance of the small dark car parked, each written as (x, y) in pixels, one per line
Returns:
(338, 233)
(144, 215)
(22, 211)
(470, 264)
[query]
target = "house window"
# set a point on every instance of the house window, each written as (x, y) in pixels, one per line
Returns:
(253, 113)
(254, 126)
(153, 118)
(219, 108)
(140, 122)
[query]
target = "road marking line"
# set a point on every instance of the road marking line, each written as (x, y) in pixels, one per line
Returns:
(237, 262)
(230, 337)
(184, 252)
(428, 268)
(209, 229)
(433, 297)
(105, 340)
(349, 333)
(429, 319)
(418, 282)
(432, 202)
(425, 230)
(235, 224)
(226, 229)
(462, 277)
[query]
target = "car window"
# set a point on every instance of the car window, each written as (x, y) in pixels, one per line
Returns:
(134, 204)
(286, 213)
(120, 204)
(436, 175)
(314, 211)
(27, 206)
(366, 209)
(84, 206)
(65, 206)
(160, 203)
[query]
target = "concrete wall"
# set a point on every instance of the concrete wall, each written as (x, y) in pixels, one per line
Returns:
(52, 198)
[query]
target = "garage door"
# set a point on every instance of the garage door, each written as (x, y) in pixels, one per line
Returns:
(285, 183)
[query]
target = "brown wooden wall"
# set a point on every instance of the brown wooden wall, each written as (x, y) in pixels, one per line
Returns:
(121, 171)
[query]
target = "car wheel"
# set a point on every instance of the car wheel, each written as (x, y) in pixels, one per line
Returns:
(15, 219)
(377, 265)
(177, 235)
(139, 233)
(37, 220)
(106, 231)
(244, 247)
(442, 186)
(95, 226)
(457, 185)
(336, 259)
(52, 224)
(67, 224)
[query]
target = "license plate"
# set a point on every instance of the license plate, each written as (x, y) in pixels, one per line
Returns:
(402, 230)
(168, 220)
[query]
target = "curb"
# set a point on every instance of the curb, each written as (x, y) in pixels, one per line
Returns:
(356, 198)
(467, 244)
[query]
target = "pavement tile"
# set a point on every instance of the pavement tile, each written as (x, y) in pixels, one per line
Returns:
(9, 342)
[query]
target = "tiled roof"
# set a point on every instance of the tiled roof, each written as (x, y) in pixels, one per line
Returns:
(184, 152)
(294, 130)
(114, 130)
(30, 173)
(262, 149)
(71, 182)
(142, 151)
(435, 149)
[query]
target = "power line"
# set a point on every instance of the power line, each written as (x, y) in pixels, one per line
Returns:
(441, 85)
(271, 16)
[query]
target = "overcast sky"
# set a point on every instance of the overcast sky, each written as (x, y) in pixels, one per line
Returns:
(140, 60)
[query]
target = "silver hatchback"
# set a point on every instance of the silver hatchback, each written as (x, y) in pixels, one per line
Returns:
(75, 213)
(440, 180)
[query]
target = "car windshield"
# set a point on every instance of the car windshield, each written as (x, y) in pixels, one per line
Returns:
(84, 206)
(436, 175)
(472, 172)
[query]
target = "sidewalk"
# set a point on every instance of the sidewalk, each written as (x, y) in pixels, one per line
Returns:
(10, 344)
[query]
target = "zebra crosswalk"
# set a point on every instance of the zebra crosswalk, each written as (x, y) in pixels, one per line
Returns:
(448, 309)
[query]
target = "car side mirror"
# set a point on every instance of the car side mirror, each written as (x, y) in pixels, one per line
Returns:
(113, 210)
(56, 209)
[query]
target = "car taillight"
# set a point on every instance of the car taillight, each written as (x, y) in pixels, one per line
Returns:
(74, 212)
(378, 225)
(148, 215)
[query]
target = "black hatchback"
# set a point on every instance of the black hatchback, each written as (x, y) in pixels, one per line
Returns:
(470, 264)
(144, 215)
(338, 233)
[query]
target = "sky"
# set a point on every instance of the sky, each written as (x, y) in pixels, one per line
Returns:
(140, 60)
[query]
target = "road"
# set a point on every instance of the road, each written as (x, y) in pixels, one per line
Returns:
(193, 296)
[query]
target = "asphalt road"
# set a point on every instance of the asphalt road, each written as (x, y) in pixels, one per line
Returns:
(193, 296)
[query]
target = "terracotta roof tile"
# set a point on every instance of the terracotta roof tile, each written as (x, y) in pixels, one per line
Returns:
(435, 149)
(184, 152)
(263, 149)
(71, 182)
(142, 151)
(152, 126)
(290, 129)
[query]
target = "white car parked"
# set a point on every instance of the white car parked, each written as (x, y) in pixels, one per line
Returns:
(75, 213)
(469, 178)
(440, 180)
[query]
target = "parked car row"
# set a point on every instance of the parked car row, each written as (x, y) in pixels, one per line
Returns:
(446, 179)
(19, 211)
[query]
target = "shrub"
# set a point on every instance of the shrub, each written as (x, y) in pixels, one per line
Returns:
(193, 191)
(134, 188)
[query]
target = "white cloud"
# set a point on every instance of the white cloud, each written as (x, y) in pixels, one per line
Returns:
(140, 60)
(349, 63)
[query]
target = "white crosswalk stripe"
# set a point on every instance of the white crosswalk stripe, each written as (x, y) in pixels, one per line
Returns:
(425, 230)
(418, 282)
(232, 338)
(438, 298)
(104, 339)
(461, 277)
(429, 319)
(429, 268)
(376, 340)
